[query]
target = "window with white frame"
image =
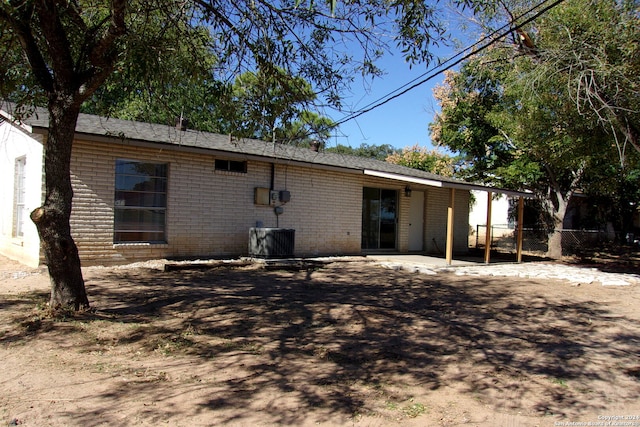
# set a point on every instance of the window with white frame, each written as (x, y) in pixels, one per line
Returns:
(19, 196)
(140, 202)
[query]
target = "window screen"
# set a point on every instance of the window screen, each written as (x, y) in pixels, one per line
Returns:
(140, 202)
(19, 196)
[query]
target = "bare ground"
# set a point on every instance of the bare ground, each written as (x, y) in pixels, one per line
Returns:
(350, 343)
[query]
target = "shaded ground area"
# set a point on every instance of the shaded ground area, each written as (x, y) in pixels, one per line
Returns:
(344, 344)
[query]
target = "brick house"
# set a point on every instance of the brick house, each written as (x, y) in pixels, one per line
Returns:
(144, 191)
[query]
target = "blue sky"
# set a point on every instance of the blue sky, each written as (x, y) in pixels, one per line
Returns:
(401, 122)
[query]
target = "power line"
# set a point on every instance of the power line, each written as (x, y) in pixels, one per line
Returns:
(434, 72)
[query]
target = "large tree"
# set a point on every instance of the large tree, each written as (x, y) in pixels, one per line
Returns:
(166, 81)
(59, 52)
(69, 49)
(548, 108)
(594, 45)
(271, 106)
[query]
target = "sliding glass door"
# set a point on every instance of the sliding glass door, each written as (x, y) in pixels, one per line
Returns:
(379, 214)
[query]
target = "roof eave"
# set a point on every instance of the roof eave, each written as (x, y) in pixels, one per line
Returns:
(431, 182)
(233, 155)
(18, 123)
(446, 184)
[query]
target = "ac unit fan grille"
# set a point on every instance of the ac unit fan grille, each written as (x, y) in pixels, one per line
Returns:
(271, 242)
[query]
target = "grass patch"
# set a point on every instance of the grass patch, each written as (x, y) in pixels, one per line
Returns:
(414, 410)
(392, 406)
(171, 345)
(411, 410)
(241, 346)
(559, 381)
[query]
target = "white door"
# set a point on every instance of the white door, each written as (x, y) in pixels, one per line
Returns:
(416, 221)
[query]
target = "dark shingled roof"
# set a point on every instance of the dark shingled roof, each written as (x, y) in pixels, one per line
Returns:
(131, 132)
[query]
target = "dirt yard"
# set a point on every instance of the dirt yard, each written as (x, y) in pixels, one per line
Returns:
(347, 344)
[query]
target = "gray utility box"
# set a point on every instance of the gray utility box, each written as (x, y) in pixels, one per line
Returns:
(271, 242)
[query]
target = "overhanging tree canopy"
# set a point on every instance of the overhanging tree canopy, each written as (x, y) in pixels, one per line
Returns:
(547, 114)
(59, 53)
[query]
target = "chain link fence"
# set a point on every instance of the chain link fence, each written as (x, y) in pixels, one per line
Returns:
(534, 241)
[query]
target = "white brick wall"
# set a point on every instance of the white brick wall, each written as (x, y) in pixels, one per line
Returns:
(437, 202)
(209, 212)
(325, 209)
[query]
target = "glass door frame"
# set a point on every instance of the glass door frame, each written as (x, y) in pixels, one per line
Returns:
(379, 219)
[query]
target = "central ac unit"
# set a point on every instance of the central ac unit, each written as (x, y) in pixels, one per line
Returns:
(271, 242)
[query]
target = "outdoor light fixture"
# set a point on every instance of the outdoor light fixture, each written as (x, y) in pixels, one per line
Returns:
(407, 191)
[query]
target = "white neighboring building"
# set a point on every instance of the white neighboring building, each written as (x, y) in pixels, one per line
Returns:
(20, 167)
(500, 223)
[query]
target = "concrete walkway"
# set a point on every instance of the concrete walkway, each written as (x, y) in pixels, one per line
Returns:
(425, 260)
(476, 267)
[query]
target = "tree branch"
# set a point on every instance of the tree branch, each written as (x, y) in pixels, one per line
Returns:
(22, 29)
(58, 45)
(100, 56)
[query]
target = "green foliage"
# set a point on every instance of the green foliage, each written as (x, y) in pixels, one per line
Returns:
(326, 43)
(560, 88)
(588, 50)
(60, 53)
(417, 157)
(378, 152)
(469, 100)
(308, 128)
(157, 87)
(176, 59)
(271, 106)
(557, 116)
(254, 106)
(414, 410)
(614, 199)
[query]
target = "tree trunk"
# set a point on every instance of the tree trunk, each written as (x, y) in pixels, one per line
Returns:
(554, 245)
(52, 218)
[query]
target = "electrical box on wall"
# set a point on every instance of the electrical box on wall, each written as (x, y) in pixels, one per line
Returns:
(285, 196)
(274, 196)
(261, 196)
